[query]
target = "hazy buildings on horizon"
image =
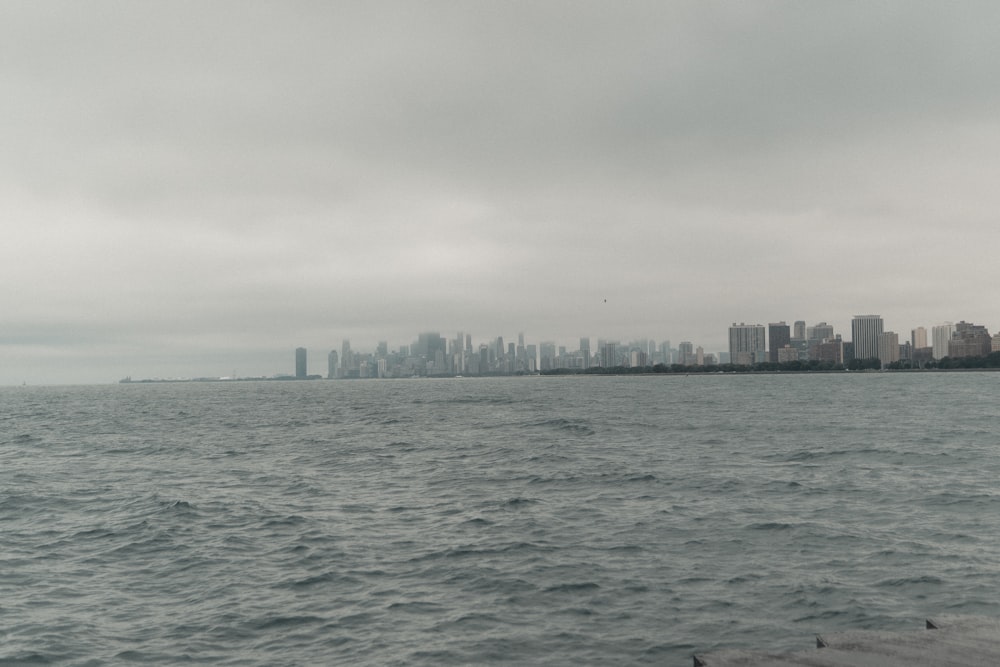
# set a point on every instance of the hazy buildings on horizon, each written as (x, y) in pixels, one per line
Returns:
(749, 344)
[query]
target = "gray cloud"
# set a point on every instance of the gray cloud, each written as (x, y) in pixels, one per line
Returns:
(184, 182)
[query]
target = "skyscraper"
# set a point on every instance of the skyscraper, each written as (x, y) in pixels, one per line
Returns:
(685, 353)
(865, 330)
(746, 344)
(799, 333)
(778, 336)
(940, 336)
(888, 347)
(300, 363)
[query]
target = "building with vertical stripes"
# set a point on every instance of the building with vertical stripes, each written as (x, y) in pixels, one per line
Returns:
(746, 344)
(865, 330)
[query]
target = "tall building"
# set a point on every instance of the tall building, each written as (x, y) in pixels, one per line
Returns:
(345, 355)
(300, 363)
(969, 340)
(918, 338)
(888, 347)
(799, 332)
(585, 351)
(331, 365)
(685, 353)
(778, 336)
(865, 330)
(746, 344)
(819, 333)
(940, 336)
(609, 355)
(429, 344)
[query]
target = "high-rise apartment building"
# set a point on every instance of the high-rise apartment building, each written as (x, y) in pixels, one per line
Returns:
(609, 355)
(918, 338)
(331, 365)
(778, 336)
(865, 330)
(746, 344)
(300, 363)
(940, 336)
(969, 340)
(685, 353)
(799, 332)
(345, 355)
(888, 347)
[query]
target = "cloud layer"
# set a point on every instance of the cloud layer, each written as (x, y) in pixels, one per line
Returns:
(189, 187)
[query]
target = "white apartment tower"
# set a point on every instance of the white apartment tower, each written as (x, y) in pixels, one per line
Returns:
(865, 330)
(940, 335)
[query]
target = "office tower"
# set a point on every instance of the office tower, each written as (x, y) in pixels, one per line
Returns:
(865, 330)
(778, 336)
(585, 351)
(819, 333)
(746, 344)
(331, 365)
(918, 338)
(547, 351)
(609, 355)
(685, 353)
(699, 356)
(532, 353)
(799, 332)
(940, 336)
(382, 349)
(345, 354)
(300, 363)
(888, 348)
(429, 344)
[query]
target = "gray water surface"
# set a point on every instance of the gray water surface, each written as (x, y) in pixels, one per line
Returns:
(538, 520)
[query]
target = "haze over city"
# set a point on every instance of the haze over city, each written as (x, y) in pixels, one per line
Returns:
(196, 189)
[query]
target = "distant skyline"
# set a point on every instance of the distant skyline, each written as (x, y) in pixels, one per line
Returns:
(193, 188)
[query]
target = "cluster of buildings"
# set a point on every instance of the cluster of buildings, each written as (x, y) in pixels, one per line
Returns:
(433, 355)
(749, 344)
(869, 340)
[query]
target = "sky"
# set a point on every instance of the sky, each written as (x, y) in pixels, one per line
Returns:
(198, 188)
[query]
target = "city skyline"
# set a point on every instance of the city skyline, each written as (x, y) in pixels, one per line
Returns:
(191, 188)
(748, 346)
(758, 342)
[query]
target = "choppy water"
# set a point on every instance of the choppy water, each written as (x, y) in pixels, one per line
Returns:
(557, 521)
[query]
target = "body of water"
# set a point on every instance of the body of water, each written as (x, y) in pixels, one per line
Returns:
(537, 520)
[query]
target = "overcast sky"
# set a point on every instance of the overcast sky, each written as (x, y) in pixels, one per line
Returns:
(193, 188)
